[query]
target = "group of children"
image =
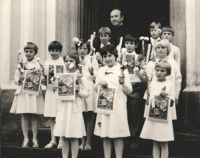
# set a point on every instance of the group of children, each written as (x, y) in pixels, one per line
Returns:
(134, 79)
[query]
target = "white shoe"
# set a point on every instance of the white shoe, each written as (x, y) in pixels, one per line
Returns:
(59, 146)
(50, 145)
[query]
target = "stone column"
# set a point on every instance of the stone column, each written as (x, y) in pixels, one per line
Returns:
(197, 8)
(50, 23)
(67, 22)
(191, 43)
(5, 42)
(178, 22)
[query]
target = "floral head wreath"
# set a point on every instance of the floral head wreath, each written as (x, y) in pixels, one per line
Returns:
(77, 41)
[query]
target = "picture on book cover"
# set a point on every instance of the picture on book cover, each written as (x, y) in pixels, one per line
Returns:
(105, 100)
(129, 61)
(32, 82)
(51, 74)
(59, 69)
(159, 108)
(66, 86)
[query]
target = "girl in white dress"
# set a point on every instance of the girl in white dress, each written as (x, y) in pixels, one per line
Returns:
(29, 106)
(69, 118)
(163, 48)
(160, 132)
(115, 126)
(50, 106)
(89, 69)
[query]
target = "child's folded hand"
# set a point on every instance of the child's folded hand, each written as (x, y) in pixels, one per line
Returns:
(104, 84)
(54, 89)
(79, 75)
(91, 70)
(163, 93)
(21, 78)
(93, 78)
(77, 88)
(121, 80)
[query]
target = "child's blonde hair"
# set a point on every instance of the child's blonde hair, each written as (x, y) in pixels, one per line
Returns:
(164, 65)
(163, 42)
(104, 30)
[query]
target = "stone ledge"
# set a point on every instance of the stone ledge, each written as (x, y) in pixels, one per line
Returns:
(192, 89)
(10, 86)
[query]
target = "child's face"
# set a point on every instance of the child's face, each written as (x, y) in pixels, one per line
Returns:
(83, 50)
(104, 38)
(161, 51)
(130, 46)
(55, 53)
(109, 59)
(29, 53)
(69, 61)
(155, 32)
(167, 35)
(160, 73)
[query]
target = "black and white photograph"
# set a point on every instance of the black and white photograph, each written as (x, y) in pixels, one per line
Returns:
(111, 78)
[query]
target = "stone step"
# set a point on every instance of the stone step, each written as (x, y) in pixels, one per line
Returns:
(177, 149)
(180, 148)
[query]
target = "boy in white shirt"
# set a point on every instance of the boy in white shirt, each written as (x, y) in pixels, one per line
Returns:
(168, 33)
(155, 32)
(135, 103)
(104, 36)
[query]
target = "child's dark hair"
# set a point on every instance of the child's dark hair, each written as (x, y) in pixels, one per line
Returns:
(55, 45)
(154, 24)
(74, 56)
(164, 65)
(109, 48)
(31, 45)
(81, 43)
(131, 38)
(168, 28)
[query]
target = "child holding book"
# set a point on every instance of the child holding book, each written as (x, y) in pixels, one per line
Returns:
(29, 106)
(115, 126)
(69, 118)
(50, 107)
(138, 78)
(168, 33)
(163, 48)
(89, 68)
(160, 132)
